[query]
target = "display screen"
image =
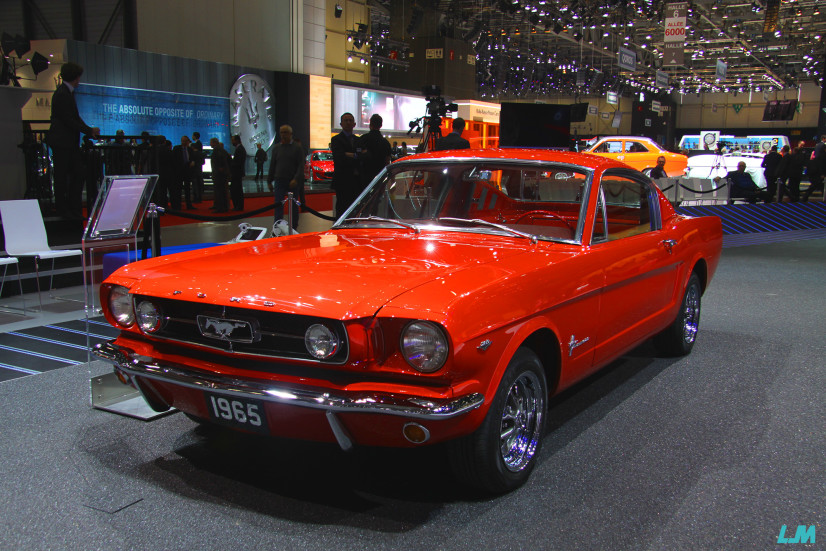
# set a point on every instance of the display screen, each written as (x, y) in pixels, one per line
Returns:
(120, 208)
(396, 110)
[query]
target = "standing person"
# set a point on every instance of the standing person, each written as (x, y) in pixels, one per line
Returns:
(166, 172)
(184, 165)
(815, 169)
(376, 152)
(659, 170)
(286, 172)
(260, 159)
(220, 175)
(144, 155)
(237, 166)
(198, 169)
(118, 156)
(790, 172)
(346, 179)
(454, 140)
(770, 163)
(64, 139)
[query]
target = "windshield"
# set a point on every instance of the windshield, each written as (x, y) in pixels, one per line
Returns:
(323, 156)
(540, 201)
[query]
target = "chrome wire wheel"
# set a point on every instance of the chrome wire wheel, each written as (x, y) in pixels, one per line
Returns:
(521, 424)
(691, 314)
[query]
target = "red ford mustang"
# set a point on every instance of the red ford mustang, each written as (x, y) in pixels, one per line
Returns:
(459, 292)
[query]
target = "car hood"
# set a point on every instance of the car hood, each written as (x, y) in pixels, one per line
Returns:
(342, 274)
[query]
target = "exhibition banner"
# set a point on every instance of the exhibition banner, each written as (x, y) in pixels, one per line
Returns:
(722, 68)
(662, 79)
(112, 108)
(674, 34)
(627, 59)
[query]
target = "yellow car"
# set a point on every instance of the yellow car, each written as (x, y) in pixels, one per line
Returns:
(640, 153)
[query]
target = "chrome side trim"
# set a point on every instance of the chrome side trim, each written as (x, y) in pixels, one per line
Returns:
(414, 407)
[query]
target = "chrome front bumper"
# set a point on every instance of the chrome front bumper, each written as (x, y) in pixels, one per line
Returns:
(134, 364)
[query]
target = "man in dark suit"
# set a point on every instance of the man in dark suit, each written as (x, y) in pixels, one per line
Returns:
(346, 179)
(375, 153)
(63, 138)
(237, 168)
(198, 169)
(183, 158)
(454, 140)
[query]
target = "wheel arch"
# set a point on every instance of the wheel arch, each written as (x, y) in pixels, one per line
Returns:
(544, 343)
(701, 269)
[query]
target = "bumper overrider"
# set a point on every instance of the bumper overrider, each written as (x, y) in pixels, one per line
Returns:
(137, 367)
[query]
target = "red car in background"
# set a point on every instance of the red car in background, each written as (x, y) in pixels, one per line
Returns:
(319, 166)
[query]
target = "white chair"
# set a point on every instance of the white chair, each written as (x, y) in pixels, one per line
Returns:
(26, 236)
(6, 262)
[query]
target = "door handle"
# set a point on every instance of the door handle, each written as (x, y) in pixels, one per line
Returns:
(669, 245)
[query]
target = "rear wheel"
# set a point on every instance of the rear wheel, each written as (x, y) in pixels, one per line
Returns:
(500, 455)
(678, 339)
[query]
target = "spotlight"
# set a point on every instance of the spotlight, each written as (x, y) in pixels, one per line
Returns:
(338, 11)
(362, 28)
(21, 45)
(577, 36)
(7, 73)
(7, 43)
(39, 63)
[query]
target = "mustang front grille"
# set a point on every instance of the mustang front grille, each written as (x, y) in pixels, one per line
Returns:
(242, 330)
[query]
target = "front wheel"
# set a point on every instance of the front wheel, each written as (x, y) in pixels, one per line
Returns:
(678, 339)
(500, 455)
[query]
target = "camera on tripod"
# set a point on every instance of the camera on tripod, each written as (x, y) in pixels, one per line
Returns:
(437, 108)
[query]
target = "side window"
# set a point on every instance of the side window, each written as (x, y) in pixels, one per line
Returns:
(635, 147)
(628, 208)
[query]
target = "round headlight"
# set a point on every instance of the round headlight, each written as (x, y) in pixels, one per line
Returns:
(120, 304)
(424, 346)
(149, 316)
(320, 341)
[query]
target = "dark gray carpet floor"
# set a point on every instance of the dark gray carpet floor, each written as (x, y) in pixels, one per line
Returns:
(717, 450)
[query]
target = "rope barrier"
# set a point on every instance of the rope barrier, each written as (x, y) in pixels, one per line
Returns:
(242, 215)
(701, 192)
(213, 218)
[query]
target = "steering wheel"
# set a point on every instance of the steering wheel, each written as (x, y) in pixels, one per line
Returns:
(543, 214)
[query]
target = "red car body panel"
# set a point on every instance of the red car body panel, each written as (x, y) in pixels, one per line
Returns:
(581, 305)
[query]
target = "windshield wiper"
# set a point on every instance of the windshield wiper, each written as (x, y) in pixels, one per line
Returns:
(479, 222)
(388, 220)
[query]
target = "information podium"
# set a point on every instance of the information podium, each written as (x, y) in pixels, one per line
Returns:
(113, 223)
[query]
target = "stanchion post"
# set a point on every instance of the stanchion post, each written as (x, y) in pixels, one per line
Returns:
(153, 213)
(290, 210)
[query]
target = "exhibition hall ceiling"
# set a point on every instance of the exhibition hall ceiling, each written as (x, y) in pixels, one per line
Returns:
(537, 47)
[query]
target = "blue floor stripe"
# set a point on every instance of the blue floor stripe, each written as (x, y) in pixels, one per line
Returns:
(42, 339)
(759, 218)
(77, 332)
(20, 369)
(38, 355)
